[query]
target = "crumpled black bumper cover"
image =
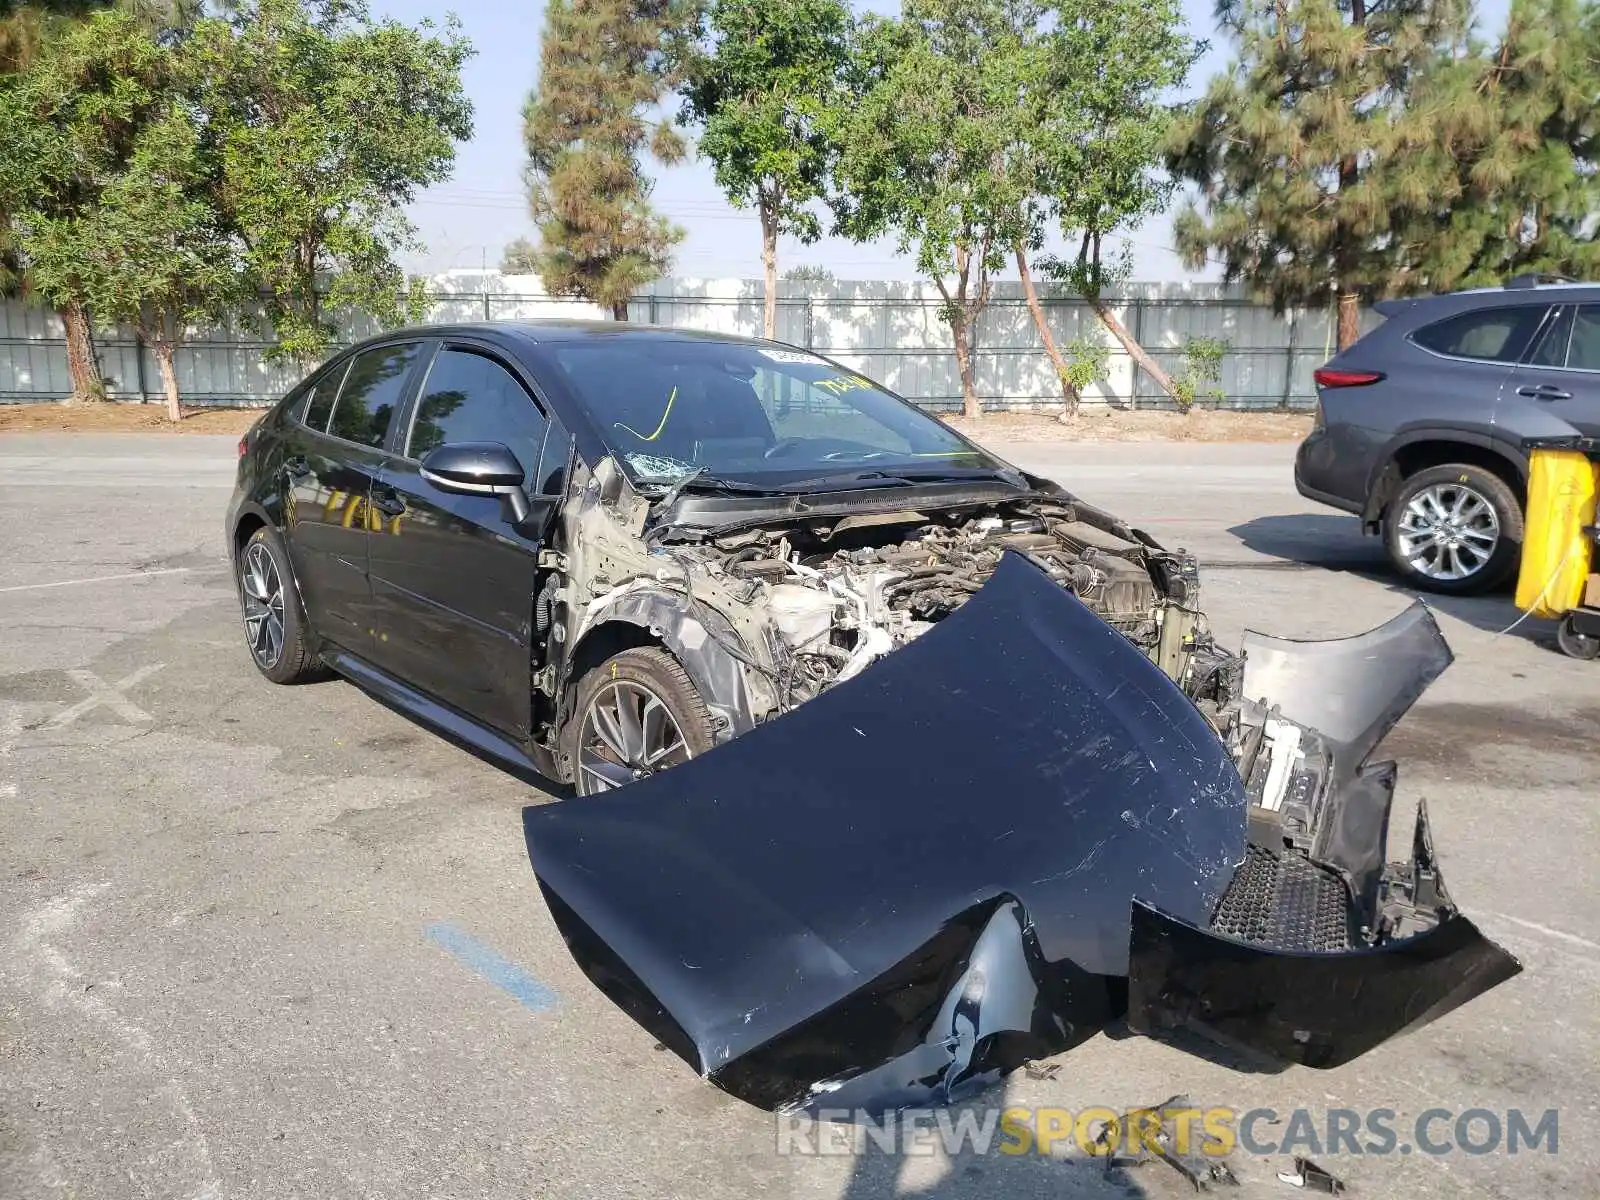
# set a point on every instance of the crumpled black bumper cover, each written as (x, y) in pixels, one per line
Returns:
(925, 876)
(1316, 1009)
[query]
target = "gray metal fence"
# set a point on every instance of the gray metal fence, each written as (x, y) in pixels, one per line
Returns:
(889, 331)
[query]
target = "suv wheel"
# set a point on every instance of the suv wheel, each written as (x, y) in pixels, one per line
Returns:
(635, 714)
(1455, 529)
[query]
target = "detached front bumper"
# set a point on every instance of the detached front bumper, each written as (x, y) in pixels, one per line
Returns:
(1002, 837)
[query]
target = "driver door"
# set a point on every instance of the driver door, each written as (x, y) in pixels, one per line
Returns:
(454, 576)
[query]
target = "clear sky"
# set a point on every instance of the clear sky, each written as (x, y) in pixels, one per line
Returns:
(467, 221)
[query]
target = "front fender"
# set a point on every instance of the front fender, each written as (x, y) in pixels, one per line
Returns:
(699, 637)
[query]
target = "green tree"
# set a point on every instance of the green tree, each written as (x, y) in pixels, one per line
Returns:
(1517, 153)
(26, 32)
(107, 185)
(925, 152)
(809, 273)
(327, 123)
(761, 83)
(1311, 158)
(603, 67)
(1092, 140)
(520, 257)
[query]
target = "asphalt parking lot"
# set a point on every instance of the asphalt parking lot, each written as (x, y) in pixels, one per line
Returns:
(265, 942)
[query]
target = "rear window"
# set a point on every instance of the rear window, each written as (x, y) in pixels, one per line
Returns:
(1494, 334)
(1584, 351)
(371, 393)
(319, 404)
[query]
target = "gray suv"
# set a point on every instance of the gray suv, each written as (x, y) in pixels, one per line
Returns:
(1420, 423)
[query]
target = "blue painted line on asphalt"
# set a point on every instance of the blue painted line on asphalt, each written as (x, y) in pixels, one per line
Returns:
(485, 962)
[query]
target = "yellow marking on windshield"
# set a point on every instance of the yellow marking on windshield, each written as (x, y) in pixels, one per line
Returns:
(841, 384)
(664, 415)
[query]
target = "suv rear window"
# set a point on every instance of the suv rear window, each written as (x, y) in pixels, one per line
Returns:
(1495, 334)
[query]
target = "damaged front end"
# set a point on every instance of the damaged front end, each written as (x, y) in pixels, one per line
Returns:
(1010, 832)
(1319, 950)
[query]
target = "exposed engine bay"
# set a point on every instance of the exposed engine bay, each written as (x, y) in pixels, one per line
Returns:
(810, 603)
(838, 607)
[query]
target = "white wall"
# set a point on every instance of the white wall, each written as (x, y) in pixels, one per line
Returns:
(889, 331)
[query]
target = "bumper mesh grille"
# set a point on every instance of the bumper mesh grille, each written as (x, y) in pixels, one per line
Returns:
(1288, 903)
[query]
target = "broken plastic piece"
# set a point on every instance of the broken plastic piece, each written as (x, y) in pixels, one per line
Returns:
(1312, 1178)
(1143, 1134)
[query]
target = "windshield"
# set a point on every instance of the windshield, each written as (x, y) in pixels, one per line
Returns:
(728, 411)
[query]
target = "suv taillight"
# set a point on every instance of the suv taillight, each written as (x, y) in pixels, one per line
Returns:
(1327, 378)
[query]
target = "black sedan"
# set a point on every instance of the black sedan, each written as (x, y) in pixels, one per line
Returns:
(597, 552)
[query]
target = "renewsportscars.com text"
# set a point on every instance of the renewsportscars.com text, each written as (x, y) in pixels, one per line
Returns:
(1215, 1131)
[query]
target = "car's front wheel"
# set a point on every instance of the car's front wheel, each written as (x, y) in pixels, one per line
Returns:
(635, 714)
(1455, 529)
(274, 627)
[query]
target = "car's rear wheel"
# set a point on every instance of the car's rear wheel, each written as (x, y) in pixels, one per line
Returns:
(635, 714)
(274, 627)
(1455, 529)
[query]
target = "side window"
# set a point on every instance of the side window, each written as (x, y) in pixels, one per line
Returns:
(471, 398)
(371, 393)
(319, 405)
(1552, 348)
(1496, 334)
(551, 477)
(1584, 353)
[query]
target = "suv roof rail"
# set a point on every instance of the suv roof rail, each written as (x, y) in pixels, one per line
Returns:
(1534, 280)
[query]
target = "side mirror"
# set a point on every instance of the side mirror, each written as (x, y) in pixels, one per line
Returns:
(478, 469)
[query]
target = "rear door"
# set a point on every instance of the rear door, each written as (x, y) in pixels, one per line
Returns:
(1561, 378)
(334, 453)
(453, 577)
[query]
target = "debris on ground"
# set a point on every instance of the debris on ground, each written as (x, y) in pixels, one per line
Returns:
(1312, 1178)
(1145, 1134)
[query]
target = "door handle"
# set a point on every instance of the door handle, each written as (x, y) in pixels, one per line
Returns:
(1544, 391)
(297, 467)
(390, 504)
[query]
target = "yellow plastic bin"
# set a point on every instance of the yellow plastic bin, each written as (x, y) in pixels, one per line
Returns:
(1556, 550)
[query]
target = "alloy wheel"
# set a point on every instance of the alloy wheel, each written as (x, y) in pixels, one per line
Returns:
(1447, 532)
(627, 734)
(261, 585)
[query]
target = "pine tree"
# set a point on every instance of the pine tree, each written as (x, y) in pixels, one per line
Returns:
(1312, 160)
(1518, 144)
(602, 68)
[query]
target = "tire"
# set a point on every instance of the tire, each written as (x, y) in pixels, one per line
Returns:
(1474, 508)
(261, 573)
(1574, 644)
(650, 684)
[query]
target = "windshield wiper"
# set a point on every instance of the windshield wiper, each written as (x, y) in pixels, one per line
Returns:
(867, 478)
(703, 481)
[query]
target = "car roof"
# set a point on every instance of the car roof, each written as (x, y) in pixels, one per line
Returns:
(546, 330)
(1448, 303)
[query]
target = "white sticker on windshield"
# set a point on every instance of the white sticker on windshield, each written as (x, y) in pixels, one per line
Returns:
(791, 356)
